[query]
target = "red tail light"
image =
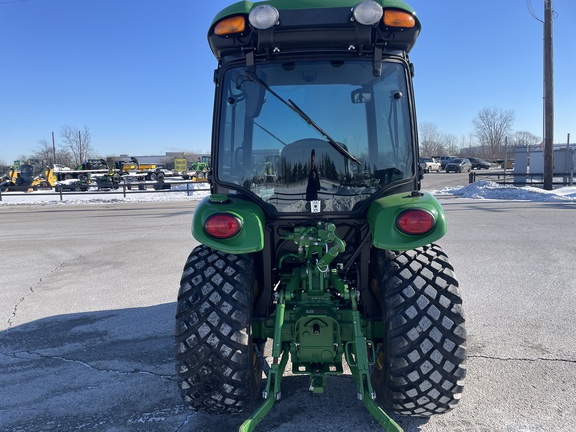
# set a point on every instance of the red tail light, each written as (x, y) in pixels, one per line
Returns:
(415, 221)
(222, 225)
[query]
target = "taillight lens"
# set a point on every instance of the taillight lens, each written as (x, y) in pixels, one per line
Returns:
(222, 225)
(415, 221)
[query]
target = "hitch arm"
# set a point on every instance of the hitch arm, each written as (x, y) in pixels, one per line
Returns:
(360, 368)
(272, 392)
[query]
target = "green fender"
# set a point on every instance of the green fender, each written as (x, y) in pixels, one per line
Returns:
(382, 216)
(251, 236)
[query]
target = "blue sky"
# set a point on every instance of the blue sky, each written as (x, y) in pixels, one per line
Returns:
(138, 73)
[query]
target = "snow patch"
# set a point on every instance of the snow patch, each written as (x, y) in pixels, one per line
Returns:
(490, 190)
(178, 192)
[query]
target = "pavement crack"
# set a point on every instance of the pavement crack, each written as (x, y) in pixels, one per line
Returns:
(15, 308)
(185, 422)
(524, 359)
(27, 354)
(31, 290)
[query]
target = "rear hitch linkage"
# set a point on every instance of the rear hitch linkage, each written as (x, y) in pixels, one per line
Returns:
(315, 293)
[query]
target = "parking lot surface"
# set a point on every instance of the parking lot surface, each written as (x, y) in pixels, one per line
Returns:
(87, 306)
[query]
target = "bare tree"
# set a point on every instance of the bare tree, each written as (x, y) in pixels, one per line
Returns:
(468, 145)
(450, 143)
(78, 142)
(492, 126)
(526, 139)
(430, 140)
(45, 153)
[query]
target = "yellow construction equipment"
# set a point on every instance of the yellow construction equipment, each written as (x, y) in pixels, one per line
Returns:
(29, 177)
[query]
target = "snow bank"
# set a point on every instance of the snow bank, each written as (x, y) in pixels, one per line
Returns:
(490, 190)
(178, 192)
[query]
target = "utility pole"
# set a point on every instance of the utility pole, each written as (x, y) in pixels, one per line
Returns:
(80, 146)
(548, 96)
(53, 150)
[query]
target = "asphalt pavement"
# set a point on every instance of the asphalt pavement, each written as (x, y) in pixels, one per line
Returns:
(87, 303)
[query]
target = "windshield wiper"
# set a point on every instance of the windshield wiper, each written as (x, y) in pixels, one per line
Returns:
(292, 105)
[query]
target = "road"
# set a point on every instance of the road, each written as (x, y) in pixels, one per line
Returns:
(87, 304)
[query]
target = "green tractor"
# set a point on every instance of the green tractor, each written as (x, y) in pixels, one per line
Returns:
(318, 248)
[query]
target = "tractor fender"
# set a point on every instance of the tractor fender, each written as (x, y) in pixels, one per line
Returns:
(251, 216)
(383, 213)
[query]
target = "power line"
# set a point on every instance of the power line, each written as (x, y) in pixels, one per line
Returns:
(531, 10)
(12, 1)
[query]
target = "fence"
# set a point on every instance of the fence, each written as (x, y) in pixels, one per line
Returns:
(124, 189)
(522, 179)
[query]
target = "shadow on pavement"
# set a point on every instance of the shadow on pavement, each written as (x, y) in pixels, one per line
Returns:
(114, 371)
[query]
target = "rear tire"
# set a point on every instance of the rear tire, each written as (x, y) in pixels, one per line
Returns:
(422, 365)
(217, 369)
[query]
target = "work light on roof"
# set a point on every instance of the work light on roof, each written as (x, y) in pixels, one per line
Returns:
(263, 17)
(367, 12)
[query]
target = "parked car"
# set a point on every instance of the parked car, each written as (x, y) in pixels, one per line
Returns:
(445, 159)
(459, 165)
(478, 163)
(430, 164)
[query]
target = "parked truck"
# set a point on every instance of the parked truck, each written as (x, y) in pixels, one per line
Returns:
(429, 164)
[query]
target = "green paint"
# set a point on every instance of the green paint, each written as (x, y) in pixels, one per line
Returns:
(251, 236)
(382, 216)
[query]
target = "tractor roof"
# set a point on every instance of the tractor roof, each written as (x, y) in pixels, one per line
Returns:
(312, 25)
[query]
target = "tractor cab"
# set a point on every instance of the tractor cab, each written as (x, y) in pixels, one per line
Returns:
(27, 174)
(319, 103)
